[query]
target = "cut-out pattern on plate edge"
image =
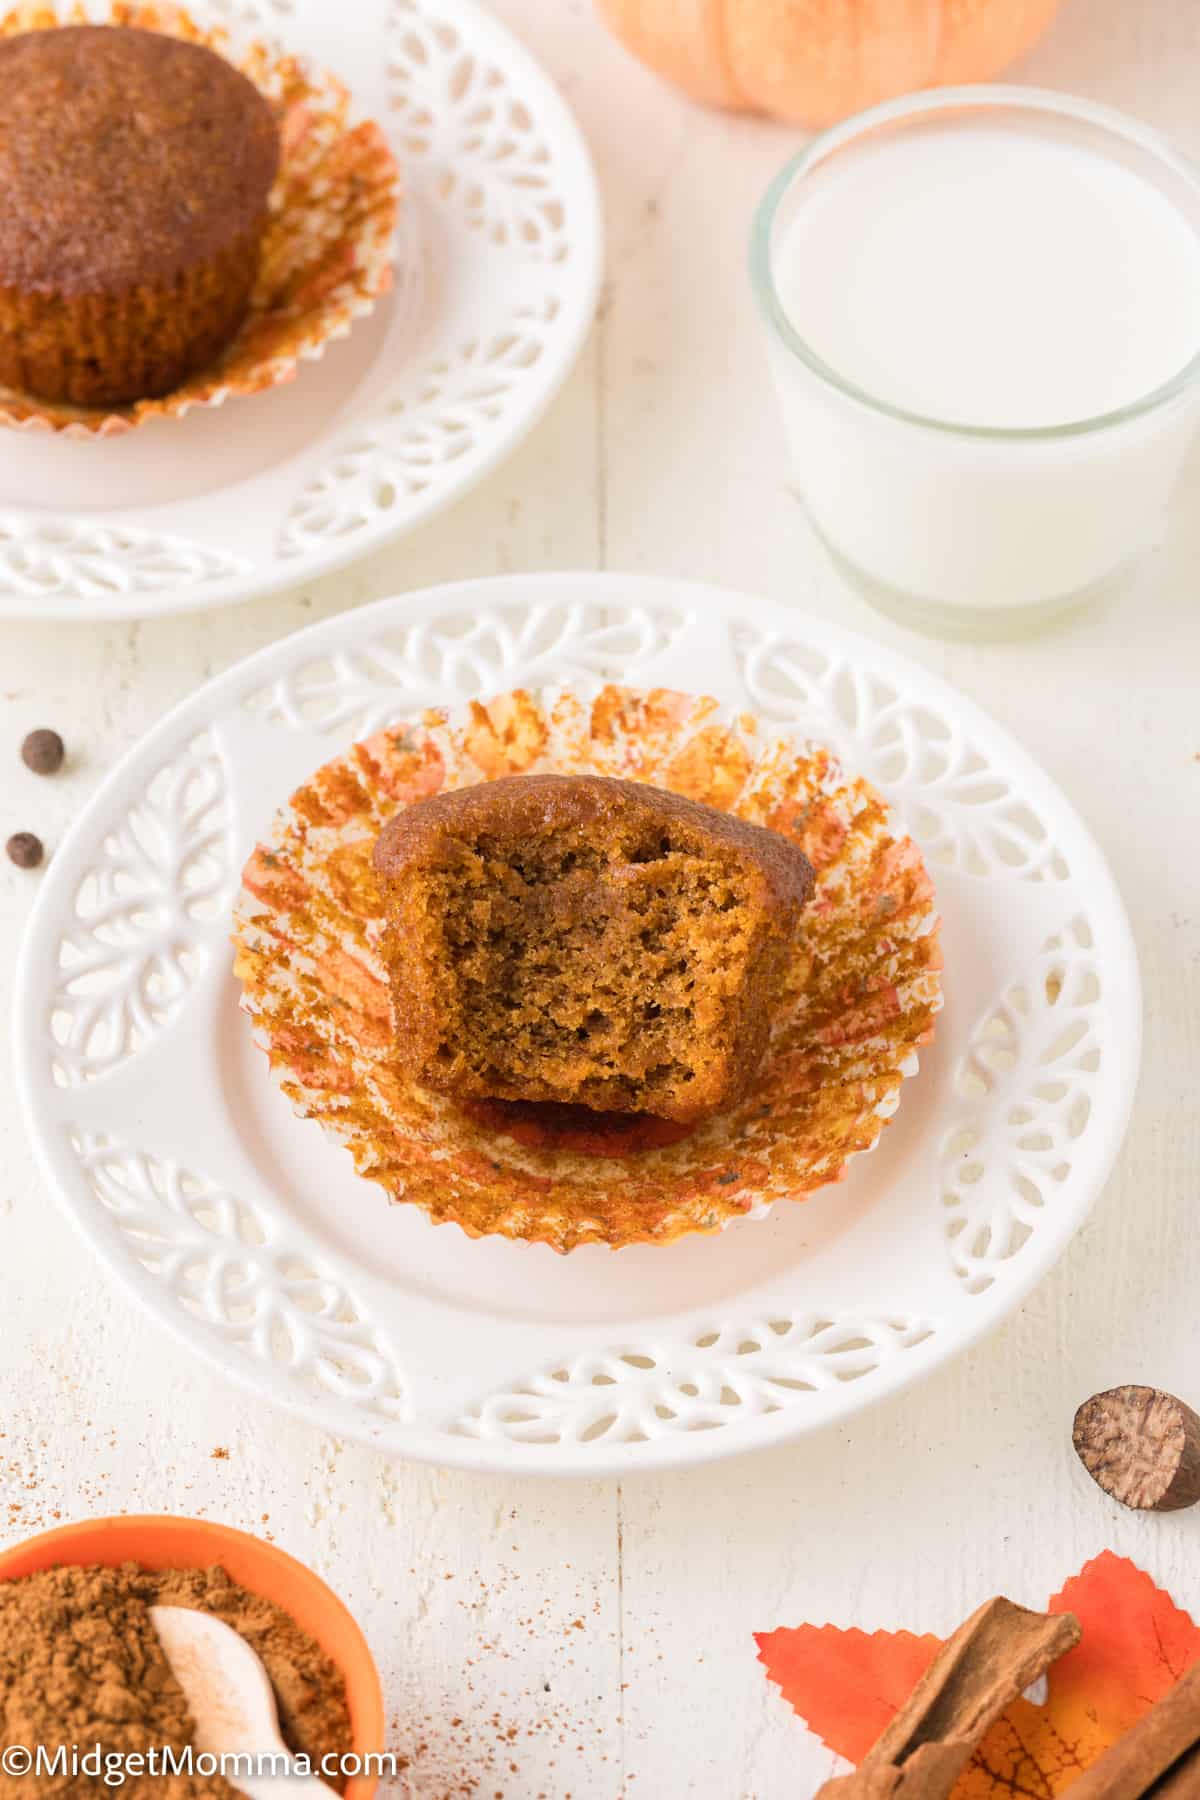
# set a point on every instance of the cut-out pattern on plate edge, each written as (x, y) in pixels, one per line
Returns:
(362, 688)
(1025, 1090)
(221, 1260)
(724, 1376)
(141, 917)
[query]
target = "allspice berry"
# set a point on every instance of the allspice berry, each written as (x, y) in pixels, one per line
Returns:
(25, 849)
(1141, 1446)
(43, 752)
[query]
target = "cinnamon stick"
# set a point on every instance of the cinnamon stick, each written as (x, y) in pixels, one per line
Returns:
(1182, 1783)
(1158, 1758)
(989, 1661)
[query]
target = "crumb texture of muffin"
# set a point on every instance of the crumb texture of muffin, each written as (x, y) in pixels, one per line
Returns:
(136, 170)
(585, 940)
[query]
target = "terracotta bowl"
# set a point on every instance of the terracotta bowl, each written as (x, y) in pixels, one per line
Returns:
(160, 1541)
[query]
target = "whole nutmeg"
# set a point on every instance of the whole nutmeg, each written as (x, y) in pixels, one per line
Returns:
(43, 752)
(25, 849)
(1142, 1446)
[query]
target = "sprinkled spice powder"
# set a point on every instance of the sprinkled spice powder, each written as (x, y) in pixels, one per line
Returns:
(80, 1663)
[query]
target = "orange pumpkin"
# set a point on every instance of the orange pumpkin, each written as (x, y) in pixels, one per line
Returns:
(815, 61)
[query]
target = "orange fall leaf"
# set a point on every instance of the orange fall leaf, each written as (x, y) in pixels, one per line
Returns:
(847, 1684)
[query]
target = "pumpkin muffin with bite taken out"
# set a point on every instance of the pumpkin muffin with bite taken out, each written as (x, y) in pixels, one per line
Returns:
(588, 941)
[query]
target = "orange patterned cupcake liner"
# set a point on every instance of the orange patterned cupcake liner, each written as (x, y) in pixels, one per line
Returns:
(327, 249)
(859, 999)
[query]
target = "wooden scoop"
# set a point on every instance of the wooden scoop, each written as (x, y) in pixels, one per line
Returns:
(229, 1694)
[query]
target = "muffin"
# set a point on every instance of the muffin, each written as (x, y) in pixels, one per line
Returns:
(136, 170)
(585, 940)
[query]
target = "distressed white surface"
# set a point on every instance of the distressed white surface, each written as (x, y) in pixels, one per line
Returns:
(608, 1629)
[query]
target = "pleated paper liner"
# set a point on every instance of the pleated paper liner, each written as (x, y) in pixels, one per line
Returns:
(860, 996)
(327, 249)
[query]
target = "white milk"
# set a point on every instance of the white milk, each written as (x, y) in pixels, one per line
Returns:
(986, 272)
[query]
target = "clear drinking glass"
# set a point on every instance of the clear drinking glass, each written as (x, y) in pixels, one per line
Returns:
(967, 530)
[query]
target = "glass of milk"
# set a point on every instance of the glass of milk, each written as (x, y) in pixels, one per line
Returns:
(983, 307)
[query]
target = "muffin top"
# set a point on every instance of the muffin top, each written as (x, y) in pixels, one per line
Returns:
(612, 812)
(126, 156)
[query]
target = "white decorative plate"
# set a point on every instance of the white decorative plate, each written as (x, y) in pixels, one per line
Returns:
(247, 1231)
(497, 271)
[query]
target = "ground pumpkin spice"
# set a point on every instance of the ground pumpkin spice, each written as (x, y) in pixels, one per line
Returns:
(80, 1663)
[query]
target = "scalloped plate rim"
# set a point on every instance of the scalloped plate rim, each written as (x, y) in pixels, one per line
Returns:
(438, 1444)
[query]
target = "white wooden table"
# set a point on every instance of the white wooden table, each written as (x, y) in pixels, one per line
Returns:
(595, 1640)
